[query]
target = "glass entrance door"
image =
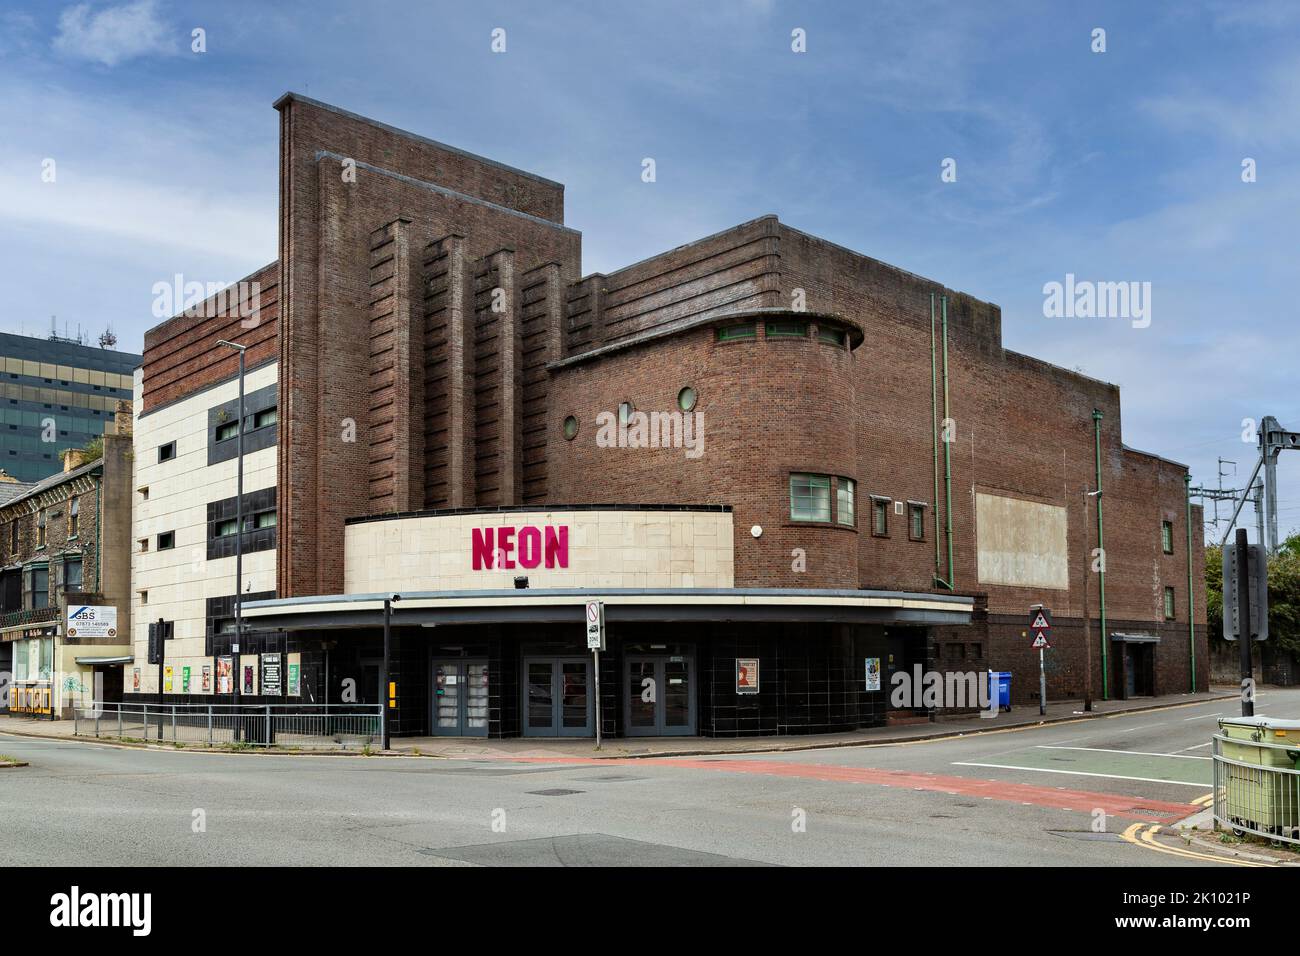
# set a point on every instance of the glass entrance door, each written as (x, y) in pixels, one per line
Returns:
(660, 700)
(558, 697)
(460, 698)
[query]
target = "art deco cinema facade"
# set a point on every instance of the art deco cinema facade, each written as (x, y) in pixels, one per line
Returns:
(758, 448)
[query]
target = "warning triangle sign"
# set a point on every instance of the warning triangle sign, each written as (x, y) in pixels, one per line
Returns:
(1040, 623)
(1041, 641)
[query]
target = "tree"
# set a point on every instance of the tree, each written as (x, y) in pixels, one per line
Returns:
(1283, 594)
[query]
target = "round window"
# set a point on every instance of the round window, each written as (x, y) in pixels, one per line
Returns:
(570, 428)
(686, 399)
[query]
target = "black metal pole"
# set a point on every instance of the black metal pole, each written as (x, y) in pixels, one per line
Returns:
(383, 677)
(162, 654)
(1244, 624)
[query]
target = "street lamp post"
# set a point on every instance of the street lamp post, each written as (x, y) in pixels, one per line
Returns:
(385, 701)
(1087, 620)
(239, 532)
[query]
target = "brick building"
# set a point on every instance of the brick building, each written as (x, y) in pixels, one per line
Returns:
(65, 566)
(825, 470)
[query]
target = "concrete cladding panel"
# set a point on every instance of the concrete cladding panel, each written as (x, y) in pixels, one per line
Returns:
(1021, 542)
(554, 549)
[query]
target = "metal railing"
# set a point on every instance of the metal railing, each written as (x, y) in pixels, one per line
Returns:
(1256, 798)
(290, 726)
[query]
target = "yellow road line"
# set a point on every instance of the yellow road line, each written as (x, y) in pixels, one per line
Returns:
(1147, 840)
(1204, 801)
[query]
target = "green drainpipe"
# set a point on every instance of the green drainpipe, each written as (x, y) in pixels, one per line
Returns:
(1101, 544)
(99, 528)
(934, 429)
(947, 450)
(1191, 594)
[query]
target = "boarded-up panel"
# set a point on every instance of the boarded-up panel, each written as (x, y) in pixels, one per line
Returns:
(1021, 543)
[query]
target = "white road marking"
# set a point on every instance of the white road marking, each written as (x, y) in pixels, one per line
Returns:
(1080, 773)
(1202, 717)
(1136, 753)
(1196, 747)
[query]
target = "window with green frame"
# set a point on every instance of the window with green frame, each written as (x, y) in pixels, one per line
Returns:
(730, 333)
(1167, 536)
(845, 494)
(1169, 604)
(786, 330)
(916, 521)
(810, 497)
(880, 517)
(828, 333)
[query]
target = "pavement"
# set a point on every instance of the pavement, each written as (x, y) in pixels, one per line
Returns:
(1110, 790)
(638, 747)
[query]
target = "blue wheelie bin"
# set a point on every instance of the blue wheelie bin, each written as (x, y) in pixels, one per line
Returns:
(1000, 689)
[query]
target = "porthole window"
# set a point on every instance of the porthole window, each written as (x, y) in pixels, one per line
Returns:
(570, 428)
(686, 399)
(624, 412)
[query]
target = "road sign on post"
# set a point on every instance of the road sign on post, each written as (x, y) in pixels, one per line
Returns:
(1040, 624)
(595, 621)
(595, 625)
(1257, 585)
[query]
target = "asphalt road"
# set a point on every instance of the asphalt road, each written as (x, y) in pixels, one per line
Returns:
(1008, 798)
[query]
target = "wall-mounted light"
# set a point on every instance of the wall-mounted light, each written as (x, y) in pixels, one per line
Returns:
(521, 582)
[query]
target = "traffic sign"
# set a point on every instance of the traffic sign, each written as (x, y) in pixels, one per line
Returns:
(595, 625)
(1040, 623)
(1041, 641)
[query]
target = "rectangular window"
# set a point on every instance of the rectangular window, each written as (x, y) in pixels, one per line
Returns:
(13, 539)
(167, 452)
(72, 574)
(166, 540)
(732, 332)
(831, 335)
(38, 586)
(267, 416)
(1167, 536)
(227, 431)
(264, 519)
(225, 529)
(810, 498)
(880, 517)
(1169, 604)
(40, 528)
(144, 545)
(787, 330)
(845, 491)
(144, 597)
(915, 521)
(74, 517)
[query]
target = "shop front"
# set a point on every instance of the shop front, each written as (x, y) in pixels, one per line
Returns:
(488, 636)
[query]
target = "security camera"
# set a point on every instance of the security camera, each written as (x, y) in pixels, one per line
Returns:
(395, 597)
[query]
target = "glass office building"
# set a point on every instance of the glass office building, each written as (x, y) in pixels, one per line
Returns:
(55, 394)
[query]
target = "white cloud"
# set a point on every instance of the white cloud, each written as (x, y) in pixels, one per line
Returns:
(113, 34)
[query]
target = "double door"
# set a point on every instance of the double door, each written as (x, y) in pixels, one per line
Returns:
(460, 698)
(558, 697)
(660, 699)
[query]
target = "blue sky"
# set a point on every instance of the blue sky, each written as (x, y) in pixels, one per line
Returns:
(1115, 166)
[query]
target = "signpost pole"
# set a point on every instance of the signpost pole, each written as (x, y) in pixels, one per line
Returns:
(1042, 684)
(596, 652)
(1244, 622)
(594, 621)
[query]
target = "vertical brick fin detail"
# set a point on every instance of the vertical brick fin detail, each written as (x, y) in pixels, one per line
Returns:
(395, 432)
(583, 328)
(341, 377)
(436, 274)
(541, 324)
(449, 375)
(486, 355)
(511, 414)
